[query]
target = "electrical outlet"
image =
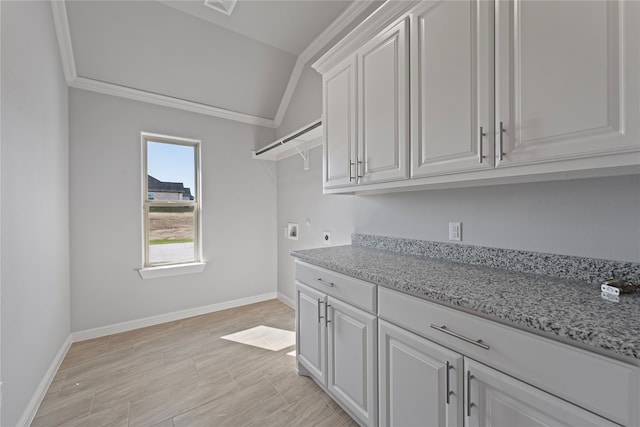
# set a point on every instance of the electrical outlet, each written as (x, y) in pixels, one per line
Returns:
(326, 237)
(455, 231)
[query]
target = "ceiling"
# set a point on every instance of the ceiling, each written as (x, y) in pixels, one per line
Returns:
(183, 54)
(287, 25)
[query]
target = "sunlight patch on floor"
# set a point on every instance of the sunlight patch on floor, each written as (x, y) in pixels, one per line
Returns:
(292, 353)
(264, 337)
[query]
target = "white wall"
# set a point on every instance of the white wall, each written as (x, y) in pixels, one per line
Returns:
(306, 103)
(597, 218)
(35, 203)
(300, 198)
(239, 212)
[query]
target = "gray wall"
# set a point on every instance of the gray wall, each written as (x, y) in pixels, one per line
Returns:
(239, 212)
(597, 218)
(35, 203)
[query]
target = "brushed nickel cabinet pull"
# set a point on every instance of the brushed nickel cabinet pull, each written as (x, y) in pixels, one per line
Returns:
(324, 282)
(444, 329)
(502, 131)
(449, 392)
(469, 404)
(351, 165)
(359, 169)
(482, 135)
(326, 315)
(320, 317)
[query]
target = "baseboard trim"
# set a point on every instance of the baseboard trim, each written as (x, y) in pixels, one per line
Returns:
(288, 301)
(32, 408)
(168, 317)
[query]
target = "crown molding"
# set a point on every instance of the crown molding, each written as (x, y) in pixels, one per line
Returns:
(346, 17)
(61, 23)
(63, 34)
(350, 13)
(384, 16)
(167, 101)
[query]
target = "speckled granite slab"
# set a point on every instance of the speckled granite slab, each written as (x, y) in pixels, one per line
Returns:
(571, 309)
(588, 270)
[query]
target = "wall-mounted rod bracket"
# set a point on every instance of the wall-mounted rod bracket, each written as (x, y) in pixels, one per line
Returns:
(305, 157)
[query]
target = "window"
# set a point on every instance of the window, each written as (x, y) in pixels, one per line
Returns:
(171, 201)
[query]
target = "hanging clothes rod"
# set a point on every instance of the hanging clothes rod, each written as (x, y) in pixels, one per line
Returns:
(289, 138)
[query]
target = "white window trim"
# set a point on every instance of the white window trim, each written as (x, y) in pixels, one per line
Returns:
(198, 265)
(171, 270)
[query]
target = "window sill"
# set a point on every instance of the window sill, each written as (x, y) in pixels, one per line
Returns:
(171, 270)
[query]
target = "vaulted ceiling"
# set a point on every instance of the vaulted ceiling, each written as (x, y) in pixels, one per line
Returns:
(242, 66)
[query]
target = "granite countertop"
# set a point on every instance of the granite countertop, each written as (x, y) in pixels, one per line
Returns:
(570, 309)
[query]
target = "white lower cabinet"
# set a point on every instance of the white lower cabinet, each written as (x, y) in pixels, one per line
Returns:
(392, 359)
(310, 332)
(508, 378)
(496, 400)
(337, 342)
(420, 381)
(352, 360)
(425, 384)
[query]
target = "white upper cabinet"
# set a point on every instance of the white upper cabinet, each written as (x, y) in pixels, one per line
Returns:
(339, 100)
(383, 104)
(472, 92)
(452, 78)
(567, 80)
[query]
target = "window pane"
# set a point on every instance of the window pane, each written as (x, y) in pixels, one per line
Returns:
(171, 234)
(171, 171)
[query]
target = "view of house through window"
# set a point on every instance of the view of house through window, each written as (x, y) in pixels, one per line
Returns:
(171, 200)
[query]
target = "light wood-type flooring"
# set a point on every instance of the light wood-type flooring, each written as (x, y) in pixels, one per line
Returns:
(183, 374)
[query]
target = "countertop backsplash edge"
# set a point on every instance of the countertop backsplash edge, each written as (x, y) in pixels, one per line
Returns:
(589, 270)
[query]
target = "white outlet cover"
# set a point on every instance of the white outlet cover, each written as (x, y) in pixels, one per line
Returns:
(455, 231)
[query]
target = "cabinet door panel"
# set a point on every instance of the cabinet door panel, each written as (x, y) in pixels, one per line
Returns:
(564, 94)
(383, 104)
(453, 82)
(502, 401)
(340, 126)
(310, 331)
(413, 381)
(352, 361)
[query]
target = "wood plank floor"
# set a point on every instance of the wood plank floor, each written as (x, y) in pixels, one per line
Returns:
(183, 374)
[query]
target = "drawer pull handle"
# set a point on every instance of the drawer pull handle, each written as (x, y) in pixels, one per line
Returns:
(444, 329)
(324, 282)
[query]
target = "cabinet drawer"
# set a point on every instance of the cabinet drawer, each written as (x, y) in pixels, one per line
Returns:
(599, 384)
(348, 289)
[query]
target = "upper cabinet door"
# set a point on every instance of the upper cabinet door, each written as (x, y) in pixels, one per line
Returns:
(567, 83)
(383, 106)
(339, 101)
(452, 87)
